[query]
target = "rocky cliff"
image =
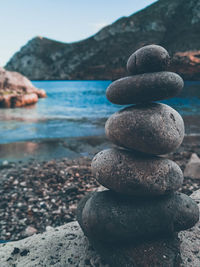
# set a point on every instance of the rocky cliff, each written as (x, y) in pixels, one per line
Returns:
(174, 24)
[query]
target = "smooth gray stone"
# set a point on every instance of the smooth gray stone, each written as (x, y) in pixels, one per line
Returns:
(145, 87)
(136, 174)
(152, 128)
(149, 58)
(110, 217)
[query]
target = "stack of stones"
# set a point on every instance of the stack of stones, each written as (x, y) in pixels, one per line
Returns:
(141, 208)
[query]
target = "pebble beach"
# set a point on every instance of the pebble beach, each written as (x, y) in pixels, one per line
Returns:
(37, 195)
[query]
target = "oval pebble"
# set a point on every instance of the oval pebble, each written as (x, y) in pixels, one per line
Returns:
(149, 58)
(136, 174)
(153, 128)
(110, 217)
(144, 88)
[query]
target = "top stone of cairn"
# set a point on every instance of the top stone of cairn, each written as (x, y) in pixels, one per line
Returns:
(149, 81)
(150, 58)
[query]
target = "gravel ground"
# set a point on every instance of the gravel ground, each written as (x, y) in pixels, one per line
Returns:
(41, 194)
(37, 195)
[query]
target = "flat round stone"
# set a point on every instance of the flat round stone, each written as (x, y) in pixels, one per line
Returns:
(144, 88)
(153, 128)
(149, 58)
(110, 217)
(136, 174)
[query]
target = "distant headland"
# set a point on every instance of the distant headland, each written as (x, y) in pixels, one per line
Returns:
(173, 24)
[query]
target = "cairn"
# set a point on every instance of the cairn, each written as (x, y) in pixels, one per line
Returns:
(141, 205)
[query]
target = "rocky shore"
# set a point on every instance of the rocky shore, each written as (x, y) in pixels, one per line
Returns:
(17, 91)
(37, 195)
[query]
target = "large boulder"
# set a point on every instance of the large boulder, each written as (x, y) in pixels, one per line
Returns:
(17, 91)
(67, 246)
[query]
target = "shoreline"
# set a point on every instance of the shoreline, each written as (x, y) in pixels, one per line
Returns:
(53, 148)
(71, 147)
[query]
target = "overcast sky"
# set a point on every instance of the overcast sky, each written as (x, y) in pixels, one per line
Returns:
(62, 20)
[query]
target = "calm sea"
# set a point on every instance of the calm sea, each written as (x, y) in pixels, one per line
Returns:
(79, 108)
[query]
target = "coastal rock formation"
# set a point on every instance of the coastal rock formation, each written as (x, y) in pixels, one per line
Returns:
(131, 214)
(174, 24)
(67, 246)
(17, 91)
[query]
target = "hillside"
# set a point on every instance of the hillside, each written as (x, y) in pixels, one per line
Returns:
(174, 24)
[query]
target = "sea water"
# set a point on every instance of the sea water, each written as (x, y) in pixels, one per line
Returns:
(80, 108)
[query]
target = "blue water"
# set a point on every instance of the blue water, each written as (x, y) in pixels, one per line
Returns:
(76, 108)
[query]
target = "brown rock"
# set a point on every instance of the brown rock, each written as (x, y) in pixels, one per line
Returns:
(152, 128)
(41, 93)
(5, 101)
(187, 64)
(23, 100)
(17, 91)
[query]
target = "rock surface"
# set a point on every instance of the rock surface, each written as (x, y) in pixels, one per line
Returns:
(60, 247)
(150, 128)
(136, 174)
(17, 91)
(159, 253)
(190, 241)
(110, 217)
(192, 169)
(150, 58)
(144, 88)
(172, 24)
(67, 246)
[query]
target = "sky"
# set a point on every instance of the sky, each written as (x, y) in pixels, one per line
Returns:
(61, 20)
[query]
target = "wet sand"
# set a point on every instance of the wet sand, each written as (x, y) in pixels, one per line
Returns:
(47, 149)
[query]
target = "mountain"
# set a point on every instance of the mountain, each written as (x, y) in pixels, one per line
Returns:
(174, 24)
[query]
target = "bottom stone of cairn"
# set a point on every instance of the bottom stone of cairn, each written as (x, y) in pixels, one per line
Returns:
(110, 217)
